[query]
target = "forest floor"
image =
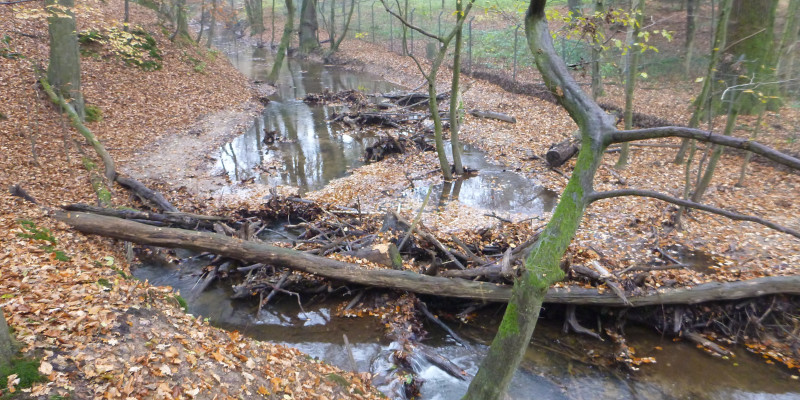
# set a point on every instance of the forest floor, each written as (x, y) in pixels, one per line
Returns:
(69, 298)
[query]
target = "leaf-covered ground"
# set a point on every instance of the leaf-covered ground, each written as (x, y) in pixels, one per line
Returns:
(69, 298)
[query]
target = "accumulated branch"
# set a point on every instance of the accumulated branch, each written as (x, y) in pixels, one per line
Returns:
(703, 136)
(255, 252)
(690, 204)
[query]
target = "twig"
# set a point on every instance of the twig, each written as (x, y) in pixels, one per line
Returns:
(428, 314)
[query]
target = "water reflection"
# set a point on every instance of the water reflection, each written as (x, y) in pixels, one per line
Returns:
(307, 152)
(492, 189)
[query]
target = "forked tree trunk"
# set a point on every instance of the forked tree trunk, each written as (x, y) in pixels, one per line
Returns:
(202, 20)
(284, 46)
(542, 266)
(64, 69)
(336, 42)
(701, 103)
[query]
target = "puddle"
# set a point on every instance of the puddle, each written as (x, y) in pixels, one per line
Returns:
(693, 259)
(492, 189)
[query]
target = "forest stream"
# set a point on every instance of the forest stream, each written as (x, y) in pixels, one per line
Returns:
(312, 153)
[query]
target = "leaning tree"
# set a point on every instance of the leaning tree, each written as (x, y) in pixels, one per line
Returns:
(598, 131)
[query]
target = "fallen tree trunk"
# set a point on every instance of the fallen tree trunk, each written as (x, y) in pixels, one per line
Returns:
(494, 115)
(256, 252)
(560, 152)
(185, 220)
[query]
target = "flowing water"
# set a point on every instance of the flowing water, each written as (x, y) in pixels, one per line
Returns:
(312, 153)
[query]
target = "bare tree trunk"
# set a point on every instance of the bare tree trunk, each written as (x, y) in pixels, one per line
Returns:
(202, 20)
(597, 78)
(575, 7)
(64, 69)
(637, 6)
(788, 45)
(308, 27)
(126, 21)
(716, 153)
(213, 23)
(455, 99)
(288, 27)
(691, 28)
(7, 349)
(336, 42)
(181, 21)
(701, 103)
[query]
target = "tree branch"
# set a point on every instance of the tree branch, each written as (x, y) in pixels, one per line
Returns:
(408, 24)
(703, 136)
(690, 204)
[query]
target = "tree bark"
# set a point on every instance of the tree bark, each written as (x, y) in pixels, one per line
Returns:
(308, 27)
(64, 69)
(691, 28)
(288, 27)
(7, 349)
(631, 76)
(456, 108)
(212, 24)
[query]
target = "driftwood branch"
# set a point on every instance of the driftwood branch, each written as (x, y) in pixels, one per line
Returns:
(690, 204)
(703, 136)
(255, 252)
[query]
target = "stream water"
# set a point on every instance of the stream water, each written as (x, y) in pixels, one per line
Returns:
(312, 154)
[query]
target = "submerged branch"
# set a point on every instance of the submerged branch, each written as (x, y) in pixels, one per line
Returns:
(691, 204)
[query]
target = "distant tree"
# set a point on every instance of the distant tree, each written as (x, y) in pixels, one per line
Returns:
(691, 28)
(212, 24)
(288, 28)
(751, 50)
(334, 40)
(64, 69)
(632, 73)
(308, 27)
(701, 103)
(202, 20)
(430, 78)
(255, 16)
(181, 21)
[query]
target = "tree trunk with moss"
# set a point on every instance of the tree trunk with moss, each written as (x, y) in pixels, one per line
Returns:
(700, 104)
(637, 7)
(751, 39)
(255, 15)
(288, 27)
(308, 27)
(7, 349)
(542, 268)
(181, 21)
(64, 69)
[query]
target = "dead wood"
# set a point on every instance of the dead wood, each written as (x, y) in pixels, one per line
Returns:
(18, 191)
(184, 220)
(146, 193)
(559, 153)
(255, 252)
(494, 115)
